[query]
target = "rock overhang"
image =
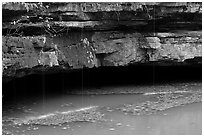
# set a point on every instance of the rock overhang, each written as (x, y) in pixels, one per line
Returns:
(67, 36)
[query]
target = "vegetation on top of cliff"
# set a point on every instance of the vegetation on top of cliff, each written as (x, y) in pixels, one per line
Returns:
(28, 6)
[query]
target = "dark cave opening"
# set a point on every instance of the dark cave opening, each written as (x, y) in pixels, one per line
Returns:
(62, 82)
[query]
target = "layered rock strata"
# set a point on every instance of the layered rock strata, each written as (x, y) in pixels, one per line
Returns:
(66, 36)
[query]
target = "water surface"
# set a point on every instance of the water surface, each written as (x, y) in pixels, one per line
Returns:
(186, 119)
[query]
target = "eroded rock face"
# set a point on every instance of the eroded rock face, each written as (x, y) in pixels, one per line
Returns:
(67, 36)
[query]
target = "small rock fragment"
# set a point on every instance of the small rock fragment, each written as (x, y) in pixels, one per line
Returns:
(64, 128)
(119, 124)
(111, 129)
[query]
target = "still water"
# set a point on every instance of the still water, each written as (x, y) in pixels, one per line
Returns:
(186, 119)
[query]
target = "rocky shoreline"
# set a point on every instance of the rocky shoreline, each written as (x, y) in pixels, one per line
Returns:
(164, 102)
(89, 114)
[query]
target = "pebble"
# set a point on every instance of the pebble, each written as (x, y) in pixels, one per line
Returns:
(136, 109)
(64, 128)
(35, 128)
(111, 129)
(109, 110)
(119, 124)
(165, 114)
(19, 124)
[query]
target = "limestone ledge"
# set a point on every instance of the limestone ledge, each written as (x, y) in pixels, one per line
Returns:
(112, 48)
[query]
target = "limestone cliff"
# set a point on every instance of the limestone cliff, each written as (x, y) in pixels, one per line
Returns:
(65, 36)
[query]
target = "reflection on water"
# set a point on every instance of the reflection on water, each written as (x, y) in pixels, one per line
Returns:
(185, 119)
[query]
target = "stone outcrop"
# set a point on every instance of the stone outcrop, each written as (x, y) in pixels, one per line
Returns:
(66, 36)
